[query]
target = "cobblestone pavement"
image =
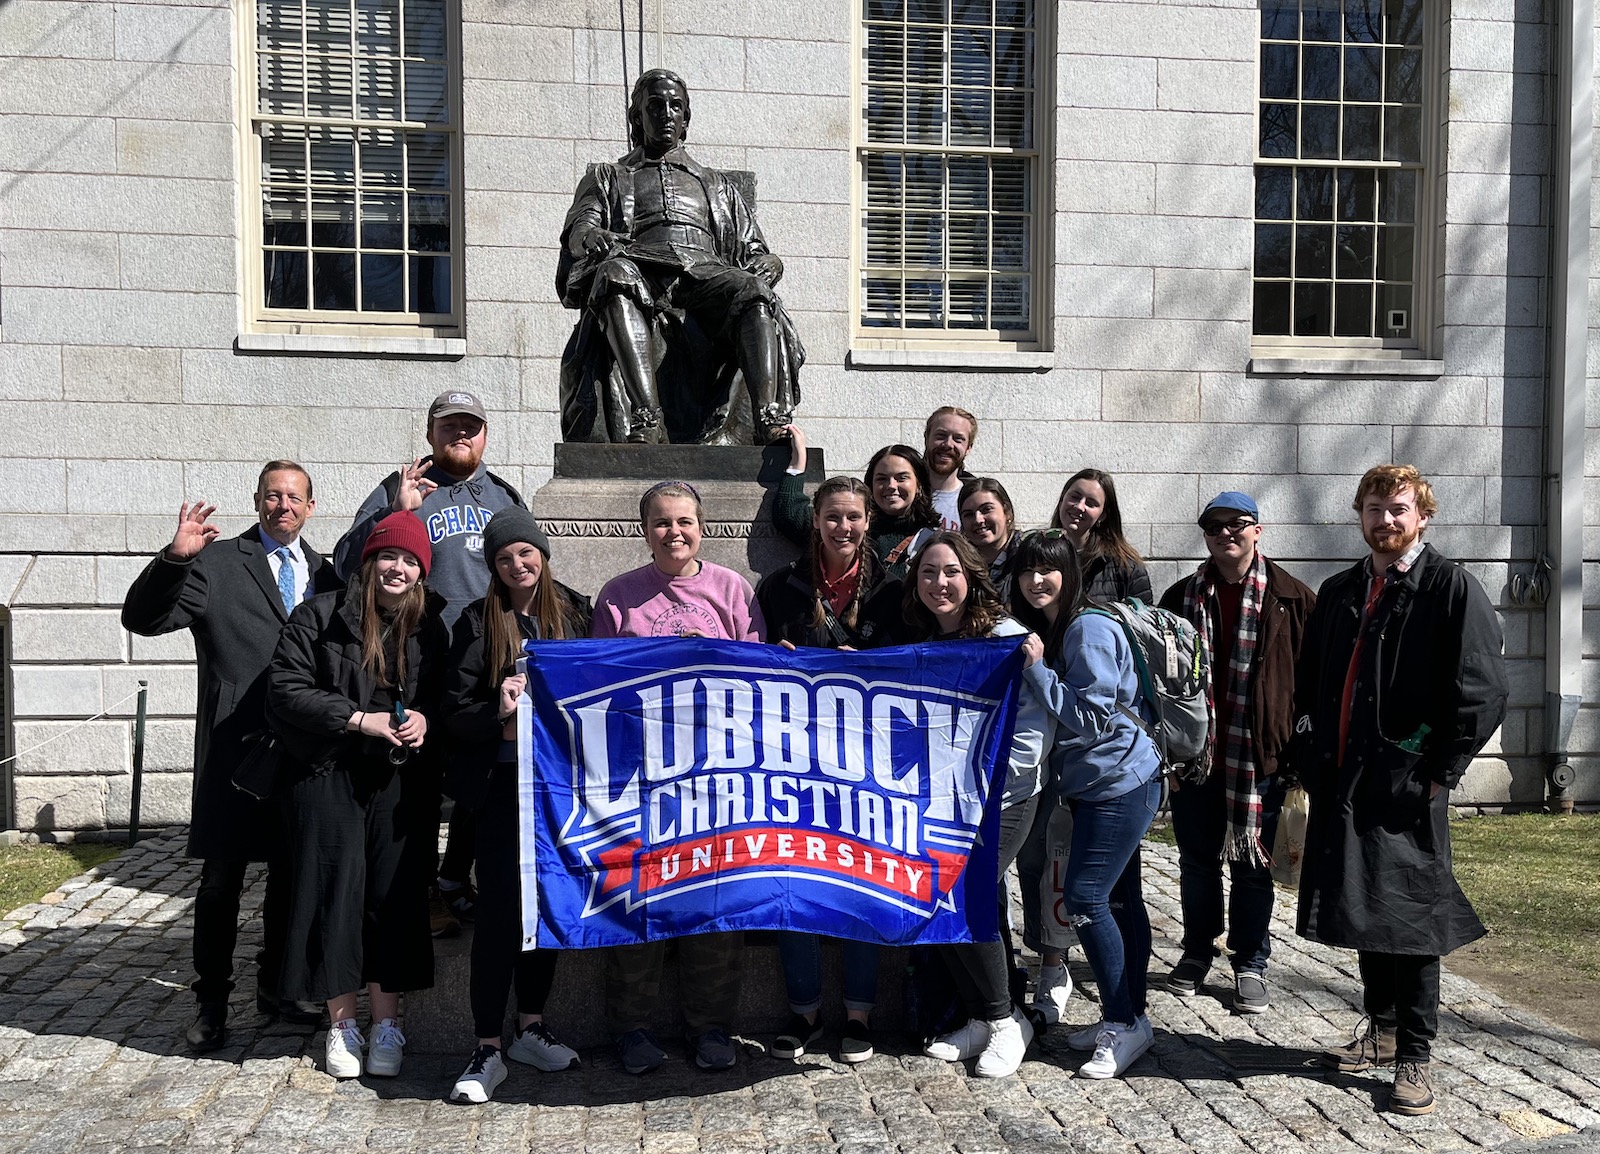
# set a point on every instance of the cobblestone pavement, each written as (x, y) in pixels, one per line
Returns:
(93, 1005)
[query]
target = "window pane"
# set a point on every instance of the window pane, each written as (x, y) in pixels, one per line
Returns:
(278, 25)
(1403, 21)
(1397, 196)
(1280, 20)
(1274, 192)
(330, 86)
(430, 285)
(886, 112)
(1404, 76)
(882, 235)
(969, 241)
(969, 11)
(924, 304)
(924, 181)
(428, 160)
(1271, 312)
(886, 50)
(925, 55)
(328, 26)
(1352, 310)
(1278, 123)
(283, 155)
(972, 57)
(1322, 20)
(1313, 250)
(1013, 60)
(885, 10)
(1009, 185)
(1312, 310)
(1402, 133)
(333, 280)
(1280, 71)
(1363, 21)
(382, 159)
(925, 11)
(969, 182)
(1010, 242)
(282, 85)
(425, 29)
(383, 283)
(969, 304)
(1013, 13)
(1395, 253)
(969, 116)
(425, 92)
(1013, 119)
(382, 221)
(333, 157)
(1315, 201)
(1353, 255)
(925, 116)
(1320, 73)
(1363, 74)
(880, 302)
(1272, 249)
(283, 217)
(379, 94)
(884, 186)
(1008, 302)
(1319, 131)
(924, 240)
(378, 27)
(1360, 133)
(1355, 194)
(1396, 302)
(430, 224)
(284, 279)
(333, 221)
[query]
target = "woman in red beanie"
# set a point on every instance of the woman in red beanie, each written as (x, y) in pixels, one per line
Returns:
(354, 684)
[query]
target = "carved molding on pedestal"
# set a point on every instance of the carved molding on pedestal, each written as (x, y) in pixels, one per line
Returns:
(717, 530)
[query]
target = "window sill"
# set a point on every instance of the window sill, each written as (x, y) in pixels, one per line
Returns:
(1344, 367)
(316, 344)
(1000, 360)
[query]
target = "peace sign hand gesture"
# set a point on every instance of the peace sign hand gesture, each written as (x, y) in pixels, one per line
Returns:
(413, 488)
(194, 532)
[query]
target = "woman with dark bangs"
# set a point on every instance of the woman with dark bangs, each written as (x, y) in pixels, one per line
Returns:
(1088, 512)
(1103, 765)
(830, 599)
(948, 596)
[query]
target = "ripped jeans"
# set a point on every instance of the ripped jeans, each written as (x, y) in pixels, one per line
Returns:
(1104, 896)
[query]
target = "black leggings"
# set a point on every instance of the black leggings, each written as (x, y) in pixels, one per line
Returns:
(498, 959)
(982, 970)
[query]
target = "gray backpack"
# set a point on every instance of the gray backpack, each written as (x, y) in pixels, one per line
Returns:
(1175, 679)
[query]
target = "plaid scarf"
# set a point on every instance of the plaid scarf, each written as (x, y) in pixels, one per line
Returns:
(1234, 755)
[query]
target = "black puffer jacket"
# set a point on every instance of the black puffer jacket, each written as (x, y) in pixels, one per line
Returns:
(473, 709)
(1105, 579)
(316, 682)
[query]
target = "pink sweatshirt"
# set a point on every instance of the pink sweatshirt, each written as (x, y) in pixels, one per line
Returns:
(645, 602)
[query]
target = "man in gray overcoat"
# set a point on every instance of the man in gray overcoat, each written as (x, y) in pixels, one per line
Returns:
(234, 597)
(1401, 683)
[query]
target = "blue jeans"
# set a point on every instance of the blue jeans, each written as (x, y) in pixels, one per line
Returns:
(1200, 823)
(1104, 896)
(801, 955)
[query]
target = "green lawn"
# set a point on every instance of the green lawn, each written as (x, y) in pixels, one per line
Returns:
(1535, 881)
(27, 872)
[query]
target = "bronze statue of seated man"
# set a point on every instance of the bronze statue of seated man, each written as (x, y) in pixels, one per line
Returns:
(667, 263)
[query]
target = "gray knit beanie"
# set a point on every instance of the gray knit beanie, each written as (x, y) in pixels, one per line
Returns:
(509, 526)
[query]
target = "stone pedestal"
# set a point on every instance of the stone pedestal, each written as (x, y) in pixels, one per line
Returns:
(590, 508)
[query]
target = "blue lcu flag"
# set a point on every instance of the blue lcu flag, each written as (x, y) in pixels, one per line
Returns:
(674, 786)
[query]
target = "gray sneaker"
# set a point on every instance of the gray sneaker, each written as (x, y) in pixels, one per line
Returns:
(713, 1050)
(1249, 992)
(1188, 976)
(639, 1052)
(538, 1047)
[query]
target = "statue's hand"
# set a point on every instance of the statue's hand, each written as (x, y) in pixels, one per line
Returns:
(768, 267)
(599, 243)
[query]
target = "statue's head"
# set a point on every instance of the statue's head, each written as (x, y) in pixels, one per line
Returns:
(658, 111)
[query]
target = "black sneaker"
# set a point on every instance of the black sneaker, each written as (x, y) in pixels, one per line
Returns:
(461, 900)
(856, 1045)
(796, 1036)
(1249, 992)
(1188, 976)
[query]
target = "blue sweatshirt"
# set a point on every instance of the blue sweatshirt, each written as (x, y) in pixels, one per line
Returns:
(1099, 753)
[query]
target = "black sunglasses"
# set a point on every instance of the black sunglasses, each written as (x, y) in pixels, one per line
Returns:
(1237, 525)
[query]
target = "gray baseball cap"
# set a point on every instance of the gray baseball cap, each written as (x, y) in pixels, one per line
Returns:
(453, 401)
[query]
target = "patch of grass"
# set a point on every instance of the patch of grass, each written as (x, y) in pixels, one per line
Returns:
(1161, 832)
(28, 872)
(1531, 878)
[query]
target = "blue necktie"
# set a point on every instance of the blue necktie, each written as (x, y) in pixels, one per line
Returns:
(285, 578)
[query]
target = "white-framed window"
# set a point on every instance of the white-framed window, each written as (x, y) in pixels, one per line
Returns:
(950, 198)
(354, 213)
(1342, 177)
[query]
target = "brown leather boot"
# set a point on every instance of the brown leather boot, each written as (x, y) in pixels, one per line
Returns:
(1372, 1047)
(1413, 1089)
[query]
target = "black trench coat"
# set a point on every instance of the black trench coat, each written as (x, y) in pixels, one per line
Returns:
(1377, 873)
(227, 598)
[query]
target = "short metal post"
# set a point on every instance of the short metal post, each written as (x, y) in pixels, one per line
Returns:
(138, 764)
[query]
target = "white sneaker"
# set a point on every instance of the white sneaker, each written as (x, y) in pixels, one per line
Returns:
(342, 1057)
(959, 1045)
(1009, 1039)
(387, 1051)
(537, 1047)
(482, 1077)
(1051, 994)
(1117, 1048)
(1084, 1040)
